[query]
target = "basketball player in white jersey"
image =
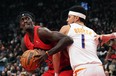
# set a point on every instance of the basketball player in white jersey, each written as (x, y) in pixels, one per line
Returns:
(83, 55)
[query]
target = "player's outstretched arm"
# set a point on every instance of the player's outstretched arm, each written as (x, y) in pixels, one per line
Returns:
(105, 38)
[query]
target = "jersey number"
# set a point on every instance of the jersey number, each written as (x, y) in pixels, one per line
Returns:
(83, 40)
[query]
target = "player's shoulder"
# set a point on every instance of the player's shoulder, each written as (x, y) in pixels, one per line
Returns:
(43, 30)
(64, 29)
(65, 26)
(90, 29)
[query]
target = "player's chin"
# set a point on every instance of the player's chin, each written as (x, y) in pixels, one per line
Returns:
(28, 27)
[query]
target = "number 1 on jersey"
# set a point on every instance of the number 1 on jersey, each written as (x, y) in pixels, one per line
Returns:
(83, 41)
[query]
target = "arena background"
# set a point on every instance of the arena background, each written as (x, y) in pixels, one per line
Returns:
(51, 14)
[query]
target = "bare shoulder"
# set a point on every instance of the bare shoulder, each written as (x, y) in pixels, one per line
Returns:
(44, 29)
(66, 26)
(44, 33)
(64, 29)
(47, 35)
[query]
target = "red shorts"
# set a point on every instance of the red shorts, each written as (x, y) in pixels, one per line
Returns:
(66, 73)
(48, 73)
(63, 73)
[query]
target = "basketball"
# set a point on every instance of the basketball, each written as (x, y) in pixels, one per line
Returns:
(27, 60)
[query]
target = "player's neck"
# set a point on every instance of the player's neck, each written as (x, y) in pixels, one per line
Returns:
(31, 36)
(81, 23)
(30, 32)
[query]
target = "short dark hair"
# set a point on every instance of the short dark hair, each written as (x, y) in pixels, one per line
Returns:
(80, 9)
(26, 13)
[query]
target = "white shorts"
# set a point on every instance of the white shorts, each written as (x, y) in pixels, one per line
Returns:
(89, 70)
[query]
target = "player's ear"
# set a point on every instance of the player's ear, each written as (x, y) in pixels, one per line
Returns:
(76, 18)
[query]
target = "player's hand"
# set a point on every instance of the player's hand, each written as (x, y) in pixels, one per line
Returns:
(97, 39)
(41, 58)
(102, 39)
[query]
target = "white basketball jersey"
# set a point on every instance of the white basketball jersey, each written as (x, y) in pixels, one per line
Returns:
(83, 50)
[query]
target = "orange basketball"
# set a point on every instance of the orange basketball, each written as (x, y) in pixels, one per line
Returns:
(27, 60)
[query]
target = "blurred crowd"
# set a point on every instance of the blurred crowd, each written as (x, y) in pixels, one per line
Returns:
(52, 14)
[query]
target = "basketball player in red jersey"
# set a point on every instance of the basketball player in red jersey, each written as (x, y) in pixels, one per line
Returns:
(37, 37)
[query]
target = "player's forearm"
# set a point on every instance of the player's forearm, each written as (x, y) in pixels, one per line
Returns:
(56, 62)
(112, 36)
(109, 36)
(63, 43)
